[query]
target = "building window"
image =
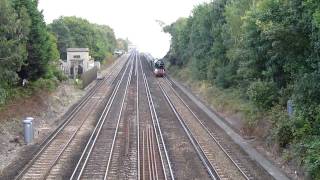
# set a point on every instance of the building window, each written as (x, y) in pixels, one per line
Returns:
(76, 56)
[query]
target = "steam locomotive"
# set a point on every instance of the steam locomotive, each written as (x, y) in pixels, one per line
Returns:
(158, 68)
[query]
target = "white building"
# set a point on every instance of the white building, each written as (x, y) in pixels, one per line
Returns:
(78, 61)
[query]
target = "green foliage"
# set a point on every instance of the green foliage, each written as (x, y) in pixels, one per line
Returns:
(306, 96)
(60, 75)
(13, 36)
(262, 94)
(39, 44)
(74, 32)
(54, 53)
(225, 76)
(312, 156)
(63, 35)
(40, 84)
(179, 44)
(3, 95)
(282, 132)
(18, 92)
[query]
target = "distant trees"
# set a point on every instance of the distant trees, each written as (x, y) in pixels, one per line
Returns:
(267, 48)
(78, 32)
(122, 44)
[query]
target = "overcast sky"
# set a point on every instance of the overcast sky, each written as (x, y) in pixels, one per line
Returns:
(135, 19)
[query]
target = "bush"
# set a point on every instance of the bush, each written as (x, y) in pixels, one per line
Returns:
(306, 96)
(225, 76)
(3, 96)
(60, 75)
(307, 151)
(263, 94)
(312, 159)
(282, 132)
(48, 84)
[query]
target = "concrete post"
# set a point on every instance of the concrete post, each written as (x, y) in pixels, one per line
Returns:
(28, 130)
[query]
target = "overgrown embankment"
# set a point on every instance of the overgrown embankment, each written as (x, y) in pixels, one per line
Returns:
(253, 57)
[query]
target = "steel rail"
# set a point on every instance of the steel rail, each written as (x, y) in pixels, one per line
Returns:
(143, 164)
(118, 121)
(210, 169)
(136, 65)
(154, 154)
(148, 155)
(208, 131)
(138, 118)
(64, 123)
(98, 128)
(156, 125)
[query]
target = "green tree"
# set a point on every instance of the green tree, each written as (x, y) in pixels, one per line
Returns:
(38, 42)
(104, 41)
(63, 35)
(13, 36)
(180, 41)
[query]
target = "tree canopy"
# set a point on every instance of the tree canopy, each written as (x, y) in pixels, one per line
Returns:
(14, 31)
(26, 46)
(39, 44)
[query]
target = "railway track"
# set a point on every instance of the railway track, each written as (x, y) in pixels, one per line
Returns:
(95, 160)
(185, 161)
(56, 150)
(154, 162)
(124, 157)
(217, 157)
